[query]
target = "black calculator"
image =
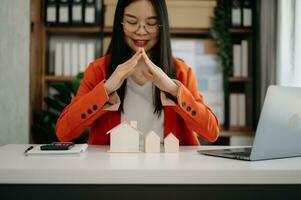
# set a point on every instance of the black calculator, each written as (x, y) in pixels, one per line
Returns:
(57, 146)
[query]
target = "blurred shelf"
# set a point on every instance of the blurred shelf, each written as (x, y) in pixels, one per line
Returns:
(189, 30)
(176, 30)
(58, 78)
(73, 29)
(240, 79)
(108, 30)
(237, 131)
(96, 29)
(241, 30)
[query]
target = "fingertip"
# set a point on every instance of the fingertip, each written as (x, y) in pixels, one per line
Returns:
(139, 56)
(144, 54)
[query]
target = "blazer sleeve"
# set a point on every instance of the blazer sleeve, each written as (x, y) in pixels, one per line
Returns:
(190, 105)
(90, 102)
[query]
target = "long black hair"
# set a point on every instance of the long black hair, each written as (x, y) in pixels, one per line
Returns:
(120, 52)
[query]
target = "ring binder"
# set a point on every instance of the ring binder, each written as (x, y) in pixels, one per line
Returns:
(90, 12)
(63, 12)
(77, 12)
(51, 12)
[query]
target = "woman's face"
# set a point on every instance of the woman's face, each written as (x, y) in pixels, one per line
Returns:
(140, 25)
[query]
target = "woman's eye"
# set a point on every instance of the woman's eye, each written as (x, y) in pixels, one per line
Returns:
(131, 22)
(152, 23)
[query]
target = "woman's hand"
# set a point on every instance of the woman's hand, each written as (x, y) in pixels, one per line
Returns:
(122, 72)
(158, 77)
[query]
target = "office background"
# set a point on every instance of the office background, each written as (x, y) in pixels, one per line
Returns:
(273, 55)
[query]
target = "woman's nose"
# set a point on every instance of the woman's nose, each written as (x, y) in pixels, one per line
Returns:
(141, 30)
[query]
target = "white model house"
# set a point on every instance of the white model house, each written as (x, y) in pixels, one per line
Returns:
(171, 144)
(124, 137)
(152, 142)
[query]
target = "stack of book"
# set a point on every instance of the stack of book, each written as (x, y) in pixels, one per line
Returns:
(240, 59)
(241, 13)
(237, 110)
(72, 12)
(69, 56)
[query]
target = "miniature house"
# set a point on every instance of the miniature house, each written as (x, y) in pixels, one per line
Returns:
(124, 137)
(152, 142)
(171, 144)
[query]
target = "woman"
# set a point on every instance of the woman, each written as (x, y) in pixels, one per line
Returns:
(139, 80)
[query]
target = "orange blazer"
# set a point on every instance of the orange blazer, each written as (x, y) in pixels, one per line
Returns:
(93, 107)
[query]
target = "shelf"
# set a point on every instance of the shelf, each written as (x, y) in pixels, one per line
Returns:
(73, 29)
(108, 30)
(240, 79)
(96, 29)
(175, 30)
(237, 131)
(240, 30)
(190, 31)
(58, 78)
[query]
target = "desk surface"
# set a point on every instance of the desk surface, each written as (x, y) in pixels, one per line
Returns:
(97, 166)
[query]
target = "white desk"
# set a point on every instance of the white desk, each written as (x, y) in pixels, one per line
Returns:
(98, 167)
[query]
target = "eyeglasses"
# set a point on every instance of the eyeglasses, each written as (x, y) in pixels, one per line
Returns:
(134, 27)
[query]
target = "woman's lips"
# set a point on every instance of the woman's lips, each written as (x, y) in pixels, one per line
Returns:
(140, 43)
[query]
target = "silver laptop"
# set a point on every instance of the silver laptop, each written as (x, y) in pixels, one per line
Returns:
(278, 133)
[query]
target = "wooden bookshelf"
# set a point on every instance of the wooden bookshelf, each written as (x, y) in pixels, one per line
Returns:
(49, 78)
(241, 30)
(42, 78)
(243, 132)
(240, 79)
(108, 30)
(68, 30)
(236, 131)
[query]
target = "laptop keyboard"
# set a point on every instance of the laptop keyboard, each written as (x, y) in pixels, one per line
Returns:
(240, 152)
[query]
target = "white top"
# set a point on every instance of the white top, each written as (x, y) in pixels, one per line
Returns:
(97, 166)
(138, 106)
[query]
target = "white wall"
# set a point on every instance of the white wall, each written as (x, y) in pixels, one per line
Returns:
(14, 71)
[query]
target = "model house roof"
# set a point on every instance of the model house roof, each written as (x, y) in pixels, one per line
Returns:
(152, 134)
(122, 126)
(171, 136)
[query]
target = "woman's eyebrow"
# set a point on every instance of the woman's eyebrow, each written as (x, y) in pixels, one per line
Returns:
(152, 17)
(130, 15)
(133, 16)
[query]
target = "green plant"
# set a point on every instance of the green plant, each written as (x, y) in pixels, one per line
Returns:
(44, 120)
(221, 34)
